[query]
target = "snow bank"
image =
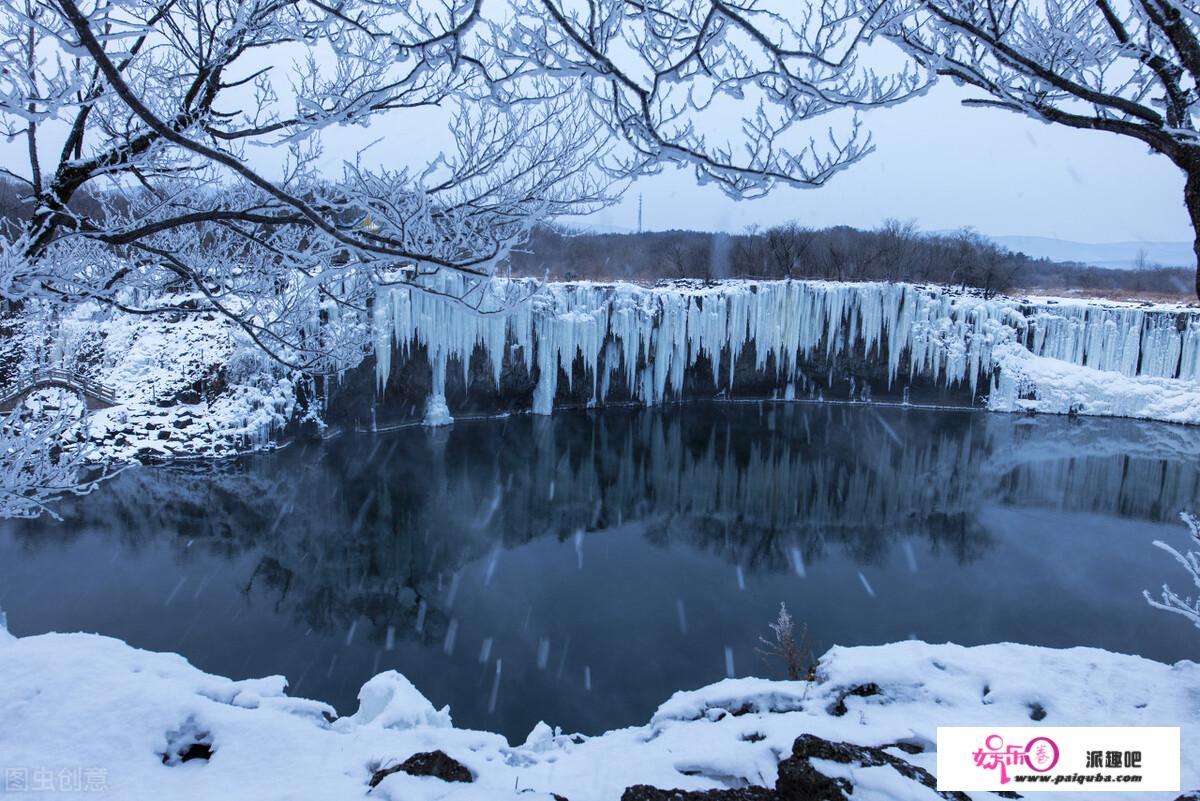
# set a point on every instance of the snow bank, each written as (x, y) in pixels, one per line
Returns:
(93, 705)
(1025, 382)
(651, 336)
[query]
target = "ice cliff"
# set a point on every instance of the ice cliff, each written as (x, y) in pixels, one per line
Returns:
(1042, 354)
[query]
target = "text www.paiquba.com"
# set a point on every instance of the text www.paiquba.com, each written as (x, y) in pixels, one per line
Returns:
(1076, 778)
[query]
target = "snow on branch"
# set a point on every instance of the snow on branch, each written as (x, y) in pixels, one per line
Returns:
(41, 460)
(1172, 601)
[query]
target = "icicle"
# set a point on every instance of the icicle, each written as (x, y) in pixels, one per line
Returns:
(655, 335)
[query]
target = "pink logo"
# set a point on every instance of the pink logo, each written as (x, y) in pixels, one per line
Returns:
(1039, 754)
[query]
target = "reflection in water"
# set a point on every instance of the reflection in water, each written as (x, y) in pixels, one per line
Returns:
(504, 564)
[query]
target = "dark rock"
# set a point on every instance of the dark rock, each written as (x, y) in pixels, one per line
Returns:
(644, 792)
(799, 780)
(187, 743)
(164, 434)
(196, 751)
(430, 763)
(861, 691)
(180, 423)
(189, 396)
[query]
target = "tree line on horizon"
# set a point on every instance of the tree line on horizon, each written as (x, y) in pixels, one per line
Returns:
(895, 251)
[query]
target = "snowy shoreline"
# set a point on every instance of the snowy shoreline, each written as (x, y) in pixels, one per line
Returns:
(80, 702)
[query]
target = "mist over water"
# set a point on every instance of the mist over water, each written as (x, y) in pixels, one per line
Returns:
(579, 569)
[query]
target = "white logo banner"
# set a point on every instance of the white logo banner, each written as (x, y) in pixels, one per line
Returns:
(1031, 758)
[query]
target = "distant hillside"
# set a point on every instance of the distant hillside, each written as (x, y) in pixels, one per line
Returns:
(1120, 255)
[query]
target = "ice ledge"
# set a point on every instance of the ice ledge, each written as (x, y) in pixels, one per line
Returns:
(1029, 383)
(74, 700)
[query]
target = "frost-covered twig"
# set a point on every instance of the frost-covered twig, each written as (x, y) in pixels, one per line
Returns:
(1171, 600)
(42, 458)
(796, 654)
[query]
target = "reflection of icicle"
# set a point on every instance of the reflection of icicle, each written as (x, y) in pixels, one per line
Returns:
(650, 336)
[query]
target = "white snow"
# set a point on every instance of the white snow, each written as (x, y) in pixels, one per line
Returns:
(390, 701)
(652, 335)
(81, 701)
(147, 360)
(1026, 382)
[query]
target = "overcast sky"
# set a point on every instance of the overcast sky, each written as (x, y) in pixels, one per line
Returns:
(947, 166)
(936, 162)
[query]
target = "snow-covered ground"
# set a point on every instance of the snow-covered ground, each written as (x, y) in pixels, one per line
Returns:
(84, 708)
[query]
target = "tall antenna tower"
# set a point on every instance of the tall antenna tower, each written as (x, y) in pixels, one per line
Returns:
(639, 212)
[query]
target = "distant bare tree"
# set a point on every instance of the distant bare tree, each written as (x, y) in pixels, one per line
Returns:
(840, 262)
(787, 246)
(895, 243)
(1128, 67)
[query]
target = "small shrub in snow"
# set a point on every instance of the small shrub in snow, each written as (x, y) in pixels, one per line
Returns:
(796, 654)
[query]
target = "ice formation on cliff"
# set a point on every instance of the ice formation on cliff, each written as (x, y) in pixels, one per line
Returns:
(652, 335)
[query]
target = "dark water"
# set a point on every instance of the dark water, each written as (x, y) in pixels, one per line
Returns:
(604, 561)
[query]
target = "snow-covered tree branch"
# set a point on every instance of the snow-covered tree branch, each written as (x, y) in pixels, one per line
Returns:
(42, 458)
(204, 120)
(1128, 67)
(1171, 600)
(197, 127)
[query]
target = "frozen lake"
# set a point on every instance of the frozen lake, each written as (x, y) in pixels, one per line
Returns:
(579, 569)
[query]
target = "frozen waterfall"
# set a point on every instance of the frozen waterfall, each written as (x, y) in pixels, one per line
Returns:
(651, 336)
